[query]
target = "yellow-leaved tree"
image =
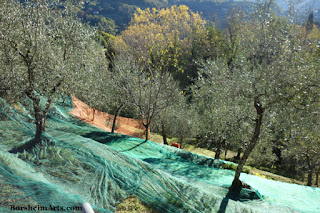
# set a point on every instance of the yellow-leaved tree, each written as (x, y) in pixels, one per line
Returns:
(164, 38)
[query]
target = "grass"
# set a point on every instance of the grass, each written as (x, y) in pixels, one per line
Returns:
(155, 138)
(134, 205)
(247, 169)
(272, 176)
(132, 129)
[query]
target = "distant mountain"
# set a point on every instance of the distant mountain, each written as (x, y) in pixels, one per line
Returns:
(113, 16)
(302, 8)
(301, 5)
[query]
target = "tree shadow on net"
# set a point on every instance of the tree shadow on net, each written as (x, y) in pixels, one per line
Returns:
(105, 137)
(134, 147)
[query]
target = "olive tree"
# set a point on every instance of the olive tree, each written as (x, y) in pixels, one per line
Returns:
(179, 120)
(305, 145)
(220, 112)
(149, 89)
(301, 138)
(184, 122)
(268, 69)
(45, 51)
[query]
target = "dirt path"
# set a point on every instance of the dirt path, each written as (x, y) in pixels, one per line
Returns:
(102, 120)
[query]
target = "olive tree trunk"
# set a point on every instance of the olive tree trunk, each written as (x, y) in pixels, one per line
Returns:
(311, 167)
(218, 152)
(40, 117)
(40, 121)
(238, 154)
(310, 172)
(115, 117)
(93, 113)
(317, 177)
(147, 131)
(164, 133)
(236, 183)
(181, 140)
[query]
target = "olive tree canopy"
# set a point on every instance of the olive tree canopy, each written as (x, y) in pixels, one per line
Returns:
(44, 52)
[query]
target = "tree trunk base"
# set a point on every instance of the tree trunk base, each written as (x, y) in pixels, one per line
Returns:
(240, 190)
(236, 187)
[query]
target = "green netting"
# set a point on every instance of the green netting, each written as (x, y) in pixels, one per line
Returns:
(80, 163)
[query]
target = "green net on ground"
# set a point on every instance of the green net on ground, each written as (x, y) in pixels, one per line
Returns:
(80, 163)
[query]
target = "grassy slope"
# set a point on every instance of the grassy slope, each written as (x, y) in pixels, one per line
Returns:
(251, 170)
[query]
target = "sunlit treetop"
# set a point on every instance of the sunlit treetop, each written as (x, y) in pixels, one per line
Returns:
(155, 35)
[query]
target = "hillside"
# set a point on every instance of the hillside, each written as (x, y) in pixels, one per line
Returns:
(133, 127)
(81, 163)
(243, 103)
(114, 16)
